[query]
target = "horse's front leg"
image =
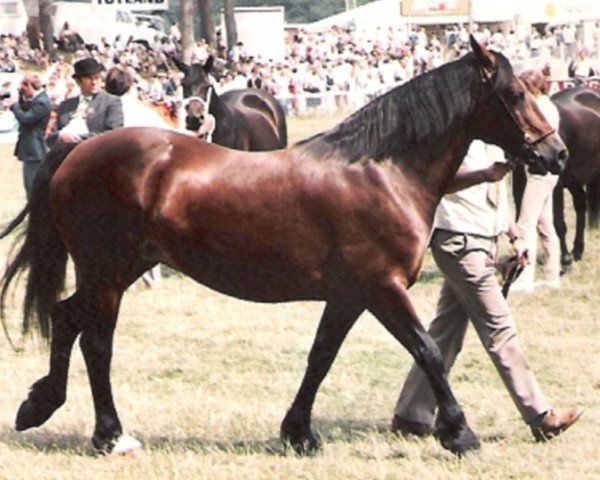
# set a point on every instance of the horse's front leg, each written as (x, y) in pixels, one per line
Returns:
(580, 205)
(337, 319)
(96, 344)
(50, 392)
(392, 306)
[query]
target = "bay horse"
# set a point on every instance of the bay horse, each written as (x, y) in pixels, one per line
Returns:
(343, 217)
(249, 119)
(579, 110)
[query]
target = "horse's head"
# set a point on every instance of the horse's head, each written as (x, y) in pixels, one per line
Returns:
(509, 115)
(197, 80)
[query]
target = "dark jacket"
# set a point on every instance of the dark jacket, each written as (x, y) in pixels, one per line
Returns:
(104, 113)
(33, 118)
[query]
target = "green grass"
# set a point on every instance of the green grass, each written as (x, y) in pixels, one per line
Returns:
(204, 380)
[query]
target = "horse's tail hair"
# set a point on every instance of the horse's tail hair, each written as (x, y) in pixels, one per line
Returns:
(41, 251)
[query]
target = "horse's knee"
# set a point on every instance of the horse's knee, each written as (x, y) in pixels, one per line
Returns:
(428, 356)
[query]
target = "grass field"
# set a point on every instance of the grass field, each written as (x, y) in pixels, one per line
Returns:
(203, 381)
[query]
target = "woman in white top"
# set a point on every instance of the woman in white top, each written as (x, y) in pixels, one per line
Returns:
(135, 112)
(536, 215)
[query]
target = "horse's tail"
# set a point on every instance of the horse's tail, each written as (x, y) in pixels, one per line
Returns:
(42, 250)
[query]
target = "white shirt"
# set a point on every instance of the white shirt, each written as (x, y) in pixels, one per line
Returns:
(137, 114)
(549, 110)
(472, 210)
(77, 125)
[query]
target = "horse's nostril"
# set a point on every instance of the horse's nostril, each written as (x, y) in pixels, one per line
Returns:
(563, 154)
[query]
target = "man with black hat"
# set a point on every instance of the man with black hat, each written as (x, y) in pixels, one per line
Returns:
(93, 111)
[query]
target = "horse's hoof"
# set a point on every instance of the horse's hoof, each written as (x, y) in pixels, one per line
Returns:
(566, 260)
(459, 442)
(300, 439)
(577, 254)
(34, 411)
(305, 446)
(122, 446)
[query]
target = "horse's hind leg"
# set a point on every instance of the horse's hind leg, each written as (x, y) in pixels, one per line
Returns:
(50, 392)
(558, 202)
(593, 198)
(335, 324)
(96, 344)
(392, 306)
(579, 203)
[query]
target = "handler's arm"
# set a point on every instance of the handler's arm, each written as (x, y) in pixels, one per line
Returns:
(466, 179)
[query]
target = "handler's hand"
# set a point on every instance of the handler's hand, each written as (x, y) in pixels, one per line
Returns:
(522, 253)
(496, 172)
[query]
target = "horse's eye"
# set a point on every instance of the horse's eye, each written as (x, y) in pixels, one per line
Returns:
(517, 97)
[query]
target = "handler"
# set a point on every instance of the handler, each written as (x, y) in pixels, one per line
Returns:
(466, 227)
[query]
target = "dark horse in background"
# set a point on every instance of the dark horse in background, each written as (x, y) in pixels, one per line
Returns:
(579, 109)
(250, 119)
(343, 217)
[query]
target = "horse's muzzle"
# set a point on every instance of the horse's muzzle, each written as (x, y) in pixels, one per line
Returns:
(547, 157)
(193, 122)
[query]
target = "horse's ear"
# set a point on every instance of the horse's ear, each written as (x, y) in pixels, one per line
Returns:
(180, 64)
(208, 65)
(486, 58)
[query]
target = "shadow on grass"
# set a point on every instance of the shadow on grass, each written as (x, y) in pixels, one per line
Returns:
(72, 442)
(77, 443)
(330, 432)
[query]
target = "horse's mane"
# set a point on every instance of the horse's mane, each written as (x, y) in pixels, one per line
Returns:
(418, 111)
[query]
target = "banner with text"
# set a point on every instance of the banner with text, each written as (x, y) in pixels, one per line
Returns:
(426, 8)
(135, 5)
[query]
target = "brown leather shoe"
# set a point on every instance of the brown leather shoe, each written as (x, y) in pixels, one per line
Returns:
(404, 427)
(555, 422)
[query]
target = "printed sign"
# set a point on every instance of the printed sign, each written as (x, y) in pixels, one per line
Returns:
(136, 5)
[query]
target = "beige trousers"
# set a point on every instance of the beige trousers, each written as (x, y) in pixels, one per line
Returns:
(537, 217)
(471, 292)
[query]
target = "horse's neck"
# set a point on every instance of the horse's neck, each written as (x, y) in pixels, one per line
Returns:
(437, 166)
(432, 174)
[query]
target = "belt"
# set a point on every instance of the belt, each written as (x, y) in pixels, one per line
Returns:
(493, 238)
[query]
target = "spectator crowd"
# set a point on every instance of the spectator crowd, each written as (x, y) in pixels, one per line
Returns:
(338, 68)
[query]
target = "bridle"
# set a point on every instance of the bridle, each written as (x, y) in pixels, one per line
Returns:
(529, 143)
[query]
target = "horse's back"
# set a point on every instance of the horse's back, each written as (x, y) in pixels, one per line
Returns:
(124, 164)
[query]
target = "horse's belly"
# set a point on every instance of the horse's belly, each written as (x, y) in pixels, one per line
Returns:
(256, 279)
